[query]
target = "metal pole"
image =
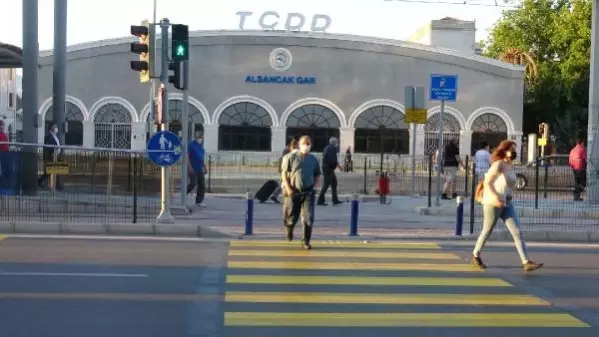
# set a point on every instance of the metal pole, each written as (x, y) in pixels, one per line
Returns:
(185, 127)
(60, 66)
(165, 195)
(440, 154)
(151, 124)
(30, 99)
(414, 126)
(593, 127)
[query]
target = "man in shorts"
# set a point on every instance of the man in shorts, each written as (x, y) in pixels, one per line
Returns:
(451, 165)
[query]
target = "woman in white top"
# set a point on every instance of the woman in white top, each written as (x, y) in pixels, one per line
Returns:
(497, 203)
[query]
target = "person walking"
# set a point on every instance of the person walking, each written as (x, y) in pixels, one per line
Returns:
(495, 194)
(197, 169)
(300, 172)
(482, 161)
(291, 146)
(578, 163)
(330, 163)
(51, 154)
(451, 165)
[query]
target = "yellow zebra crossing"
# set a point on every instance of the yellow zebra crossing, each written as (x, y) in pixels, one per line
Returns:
(372, 285)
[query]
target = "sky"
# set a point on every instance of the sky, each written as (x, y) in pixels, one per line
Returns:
(90, 20)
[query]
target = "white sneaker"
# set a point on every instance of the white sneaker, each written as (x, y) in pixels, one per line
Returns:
(201, 205)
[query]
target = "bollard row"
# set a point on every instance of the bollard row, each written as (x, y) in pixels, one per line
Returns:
(353, 221)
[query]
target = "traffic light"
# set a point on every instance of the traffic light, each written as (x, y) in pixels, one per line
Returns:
(544, 130)
(144, 49)
(178, 78)
(180, 43)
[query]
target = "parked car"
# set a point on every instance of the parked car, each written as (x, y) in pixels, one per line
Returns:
(554, 174)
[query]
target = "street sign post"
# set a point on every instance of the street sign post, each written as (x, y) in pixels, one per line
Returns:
(165, 148)
(443, 88)
(416, 114)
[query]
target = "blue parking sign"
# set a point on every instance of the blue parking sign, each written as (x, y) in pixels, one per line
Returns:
(444, 87)
(165, 148)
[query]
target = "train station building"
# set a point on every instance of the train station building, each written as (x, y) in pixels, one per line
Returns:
(250, 90)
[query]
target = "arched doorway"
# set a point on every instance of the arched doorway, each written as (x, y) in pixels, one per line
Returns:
(74, 120)
(451, 131)
(112, 125)
(195, 119)
(489, 128)
(381, 129)
(316, 121)
(244, 127)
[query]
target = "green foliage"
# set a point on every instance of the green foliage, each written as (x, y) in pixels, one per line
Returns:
(557, 36)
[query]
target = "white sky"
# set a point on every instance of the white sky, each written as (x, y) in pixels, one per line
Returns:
(90, 20)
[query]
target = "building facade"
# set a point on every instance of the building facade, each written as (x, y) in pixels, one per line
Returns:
(250, 90)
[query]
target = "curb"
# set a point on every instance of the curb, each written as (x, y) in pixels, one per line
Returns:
(527, 212)
(166, 230)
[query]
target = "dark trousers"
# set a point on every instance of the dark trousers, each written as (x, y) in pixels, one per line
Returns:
(300, 203)
(329, 179)
(580, 182)
(197, 179)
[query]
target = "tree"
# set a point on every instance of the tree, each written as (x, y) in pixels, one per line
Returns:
(555, 36)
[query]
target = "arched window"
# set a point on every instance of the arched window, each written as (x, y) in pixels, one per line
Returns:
(194, 117)
(451, 131)
(112, 124)
(316, 121)
(489, 128)
(381, 129)
(244, 127)
(74, 118)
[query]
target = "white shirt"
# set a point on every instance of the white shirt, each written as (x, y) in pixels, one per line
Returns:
(55, 138)
(481, 160)
(504, 183)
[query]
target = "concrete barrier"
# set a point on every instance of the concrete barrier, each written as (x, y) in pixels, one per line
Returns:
(148, 229)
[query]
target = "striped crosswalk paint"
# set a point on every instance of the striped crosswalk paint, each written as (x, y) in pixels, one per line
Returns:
(361, 268)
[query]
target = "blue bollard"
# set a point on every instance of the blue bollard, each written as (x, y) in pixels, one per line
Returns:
(249, 215)
(459, 221)
(353, 222)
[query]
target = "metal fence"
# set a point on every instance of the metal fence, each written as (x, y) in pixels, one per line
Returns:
(545, 198)
(101, 186)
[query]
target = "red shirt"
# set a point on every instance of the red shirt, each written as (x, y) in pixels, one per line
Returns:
(578, 158)
(3, 138)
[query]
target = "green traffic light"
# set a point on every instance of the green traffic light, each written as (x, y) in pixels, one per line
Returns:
(180, 50)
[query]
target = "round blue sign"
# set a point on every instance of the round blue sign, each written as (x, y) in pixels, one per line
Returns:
(165, 148)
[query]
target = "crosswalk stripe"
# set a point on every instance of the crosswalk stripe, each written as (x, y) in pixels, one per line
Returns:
(338, 244)
(345, 254)
(325, 319)
(351, 266)
(2, 237)
(357, 298)
(369, 281)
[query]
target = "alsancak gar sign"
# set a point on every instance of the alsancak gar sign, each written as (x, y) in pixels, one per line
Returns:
(280, 60)
(265, 79)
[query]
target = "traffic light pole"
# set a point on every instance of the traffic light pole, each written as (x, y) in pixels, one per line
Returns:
(165, 195)
(185, 130)
(440, 154)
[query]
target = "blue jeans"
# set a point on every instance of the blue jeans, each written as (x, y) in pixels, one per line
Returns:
(508, 214)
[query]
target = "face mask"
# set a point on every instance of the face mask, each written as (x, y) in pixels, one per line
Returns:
(199, 141)
(55, 130)
(512, 155)
(304, 148)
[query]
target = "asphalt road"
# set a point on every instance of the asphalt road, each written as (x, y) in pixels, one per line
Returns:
(142, 287)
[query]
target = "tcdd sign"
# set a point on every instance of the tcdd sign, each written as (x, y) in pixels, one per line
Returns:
(444, 87)
(165, 148)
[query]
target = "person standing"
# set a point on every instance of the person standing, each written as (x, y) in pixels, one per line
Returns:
(578, 163)
(451, 164)
(482, 160)
(329, 164)
(497, 204)
(197, 169)
(51, 154)
(300, 172)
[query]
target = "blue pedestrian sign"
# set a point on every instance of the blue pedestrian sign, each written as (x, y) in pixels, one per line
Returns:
(165, 148)
(444, 87)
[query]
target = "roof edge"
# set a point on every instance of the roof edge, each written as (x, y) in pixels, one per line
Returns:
(324, 36)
